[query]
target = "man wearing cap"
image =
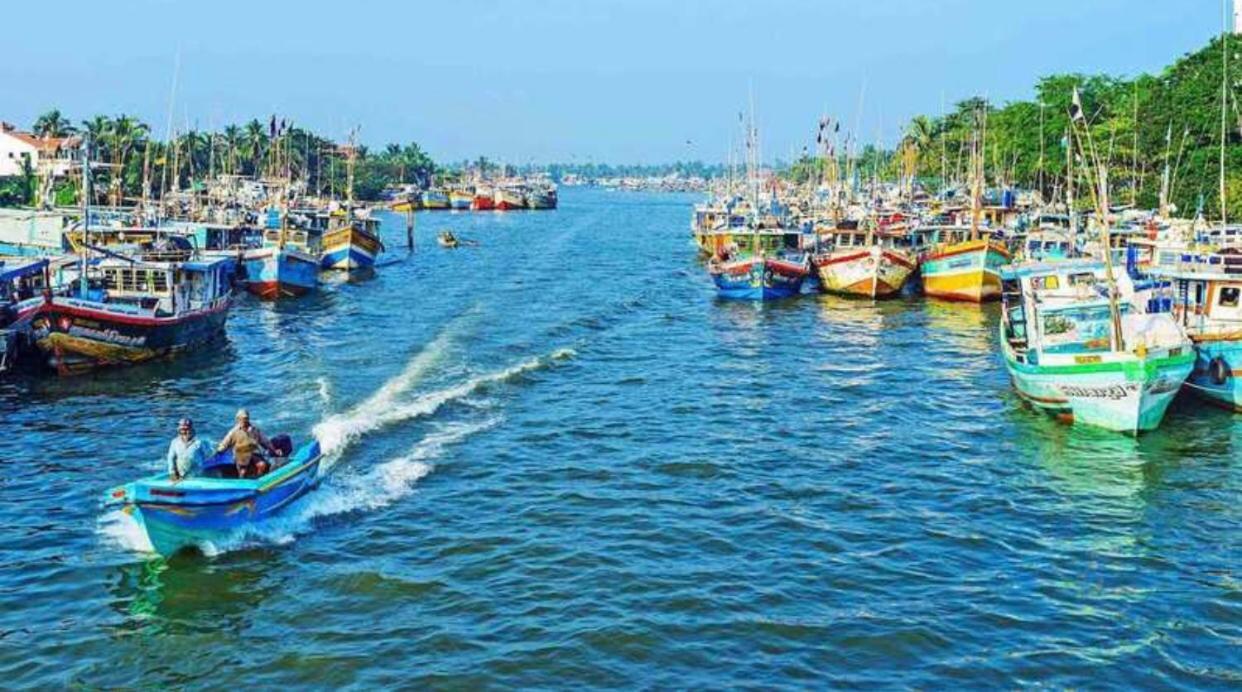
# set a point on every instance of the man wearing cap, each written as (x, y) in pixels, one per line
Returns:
(246, 441)
(186, 453)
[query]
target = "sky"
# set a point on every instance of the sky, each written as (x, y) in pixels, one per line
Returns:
(538, 81)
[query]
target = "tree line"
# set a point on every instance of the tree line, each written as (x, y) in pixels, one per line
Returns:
(1141, 127)
(129, 163)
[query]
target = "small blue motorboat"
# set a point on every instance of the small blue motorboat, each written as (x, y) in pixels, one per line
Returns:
(209, 506)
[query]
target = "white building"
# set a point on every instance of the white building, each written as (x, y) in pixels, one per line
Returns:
(54, 153)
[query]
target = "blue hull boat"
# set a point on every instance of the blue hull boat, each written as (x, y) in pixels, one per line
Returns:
(209, 507)
(759, 278)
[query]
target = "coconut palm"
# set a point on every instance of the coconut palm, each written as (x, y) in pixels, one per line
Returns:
(53, 124)
(254, 144)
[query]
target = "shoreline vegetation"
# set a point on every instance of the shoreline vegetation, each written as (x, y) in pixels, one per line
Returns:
(132, 163)
(1141, 123)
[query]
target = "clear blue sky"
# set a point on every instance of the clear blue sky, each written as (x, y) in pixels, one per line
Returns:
(588, 80)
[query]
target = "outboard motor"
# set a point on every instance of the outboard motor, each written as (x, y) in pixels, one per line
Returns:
(283, 444)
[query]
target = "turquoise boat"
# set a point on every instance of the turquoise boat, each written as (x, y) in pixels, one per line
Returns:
(209, 507)
(1059, 336)
(1203, 292)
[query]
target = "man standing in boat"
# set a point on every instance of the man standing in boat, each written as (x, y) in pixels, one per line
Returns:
(186, 453)
(246, 441)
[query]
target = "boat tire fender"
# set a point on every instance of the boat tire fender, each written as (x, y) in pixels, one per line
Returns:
(1219, 370)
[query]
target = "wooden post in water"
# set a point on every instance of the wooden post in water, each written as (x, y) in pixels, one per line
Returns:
(409, 228)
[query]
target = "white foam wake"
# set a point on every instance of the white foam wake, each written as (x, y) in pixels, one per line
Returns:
(335, 431)
(384, 407)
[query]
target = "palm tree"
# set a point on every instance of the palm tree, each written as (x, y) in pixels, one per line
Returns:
(254, 143)
(232, 142)
(124, 134)
(53, 124)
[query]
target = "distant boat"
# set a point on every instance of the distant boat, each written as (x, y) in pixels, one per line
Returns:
(412, 203)
(132, 311)
(1060, 341)
(210, 506)
(435, 199)
(508, 198)
(460, 200)
(447, 239)
(541, 198)
(483, 199)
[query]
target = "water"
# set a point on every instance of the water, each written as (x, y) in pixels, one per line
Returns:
(558, 461)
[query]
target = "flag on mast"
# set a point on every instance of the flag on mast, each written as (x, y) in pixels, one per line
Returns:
(1076, 113)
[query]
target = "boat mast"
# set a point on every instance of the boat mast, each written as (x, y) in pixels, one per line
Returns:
(1224, 103)
(1069, 183)
(976, 184)
(86, 213)
(1100, 194)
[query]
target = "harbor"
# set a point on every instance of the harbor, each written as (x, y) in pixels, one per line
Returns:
(702, 379)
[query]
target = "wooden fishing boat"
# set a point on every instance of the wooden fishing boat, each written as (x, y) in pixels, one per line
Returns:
(128, 311)
(765, 264)
(1203, 292)
(1076, 352)
(541, 198)
(961, 266)
(508, 198)
(210, 507)
(406, 204)
(484, 199)
(352, 246)
(856, 262)
(273, 272)
(22, 284)
(435, 200)
(460, 200)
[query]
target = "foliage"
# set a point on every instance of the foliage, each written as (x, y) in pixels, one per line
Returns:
(128, 162)
(1136, 125)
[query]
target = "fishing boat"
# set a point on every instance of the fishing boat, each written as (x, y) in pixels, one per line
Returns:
(210, 506)
(447, 239)
(962, 266)
(541, 198)
(509, 198)
(406, 204)
(287, 265)
(435, 199)
(21, 285)
(1073, 349)
(964, 263)
(1203, 292)
(125, 311)
(460, 199)
(871, 263)
(352, 245)
(766, 264)
(484, 199)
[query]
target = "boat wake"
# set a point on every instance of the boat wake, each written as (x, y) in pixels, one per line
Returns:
(387, 407)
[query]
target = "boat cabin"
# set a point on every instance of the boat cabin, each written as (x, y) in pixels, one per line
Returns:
(1056, 308)
(163, 289)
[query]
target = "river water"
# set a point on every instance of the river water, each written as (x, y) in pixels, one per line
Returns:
(557, 460)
